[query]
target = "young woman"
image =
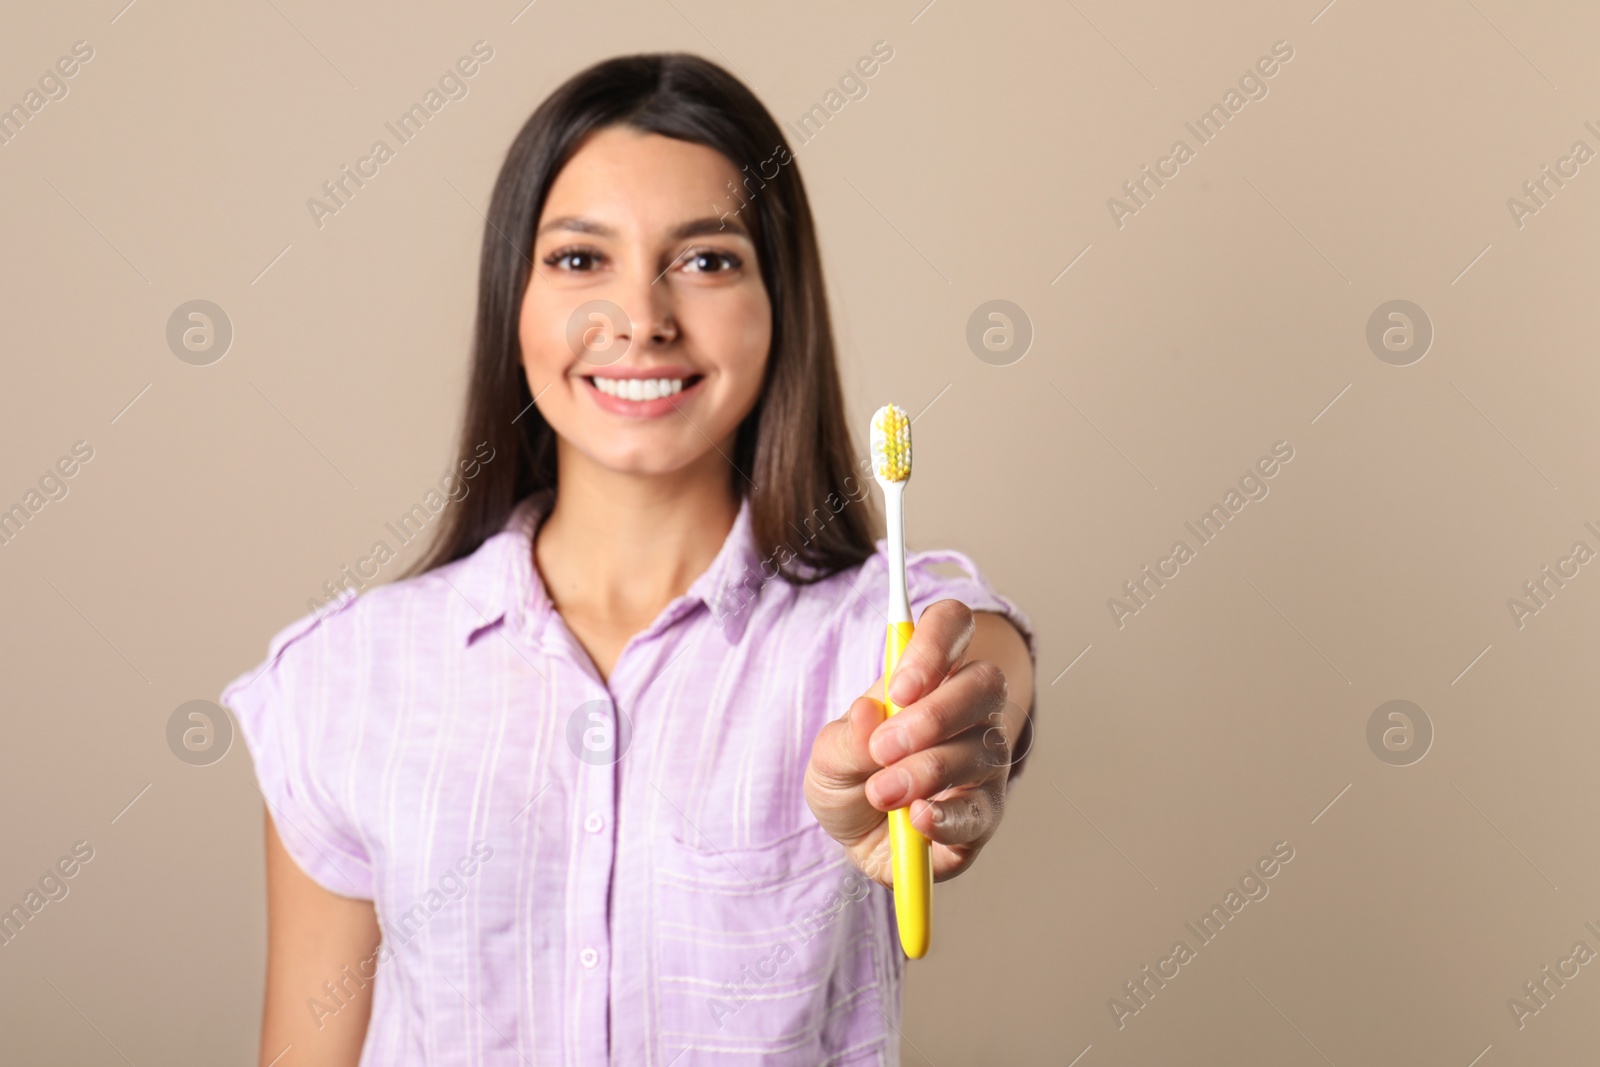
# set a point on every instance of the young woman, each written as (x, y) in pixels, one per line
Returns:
(596, 783)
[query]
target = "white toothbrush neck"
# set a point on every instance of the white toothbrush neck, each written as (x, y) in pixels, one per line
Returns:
(894, 518)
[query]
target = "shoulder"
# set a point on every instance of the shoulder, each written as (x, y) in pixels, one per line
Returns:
(290, 646)
(335, 638)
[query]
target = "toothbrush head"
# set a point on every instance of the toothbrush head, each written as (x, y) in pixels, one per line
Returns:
(891, 446)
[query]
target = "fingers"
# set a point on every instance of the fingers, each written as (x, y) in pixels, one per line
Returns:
(968, 698)
(936, 756)
(877, 862)
(936, 646)
(960, 763)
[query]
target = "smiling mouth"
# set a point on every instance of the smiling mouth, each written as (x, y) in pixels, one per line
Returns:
(641, 389)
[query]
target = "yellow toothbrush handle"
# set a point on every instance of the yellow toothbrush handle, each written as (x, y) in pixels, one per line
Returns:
(913, 868)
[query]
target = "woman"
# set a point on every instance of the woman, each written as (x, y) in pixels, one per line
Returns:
(570, 793)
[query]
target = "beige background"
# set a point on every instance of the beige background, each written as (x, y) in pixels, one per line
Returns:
(1224, 317)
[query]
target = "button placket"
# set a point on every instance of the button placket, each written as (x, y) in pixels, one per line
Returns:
(589, 935)
(597, 798)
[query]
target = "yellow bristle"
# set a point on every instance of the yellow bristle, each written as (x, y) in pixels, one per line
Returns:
(893, 443)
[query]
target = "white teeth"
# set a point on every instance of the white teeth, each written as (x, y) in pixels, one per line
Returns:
(639, 388)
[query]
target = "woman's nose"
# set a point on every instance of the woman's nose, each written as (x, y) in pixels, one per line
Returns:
(646, 298)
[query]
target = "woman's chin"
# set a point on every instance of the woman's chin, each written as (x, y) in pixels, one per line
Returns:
(646, 461)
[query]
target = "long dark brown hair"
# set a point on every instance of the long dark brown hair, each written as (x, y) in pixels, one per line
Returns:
(793, 452)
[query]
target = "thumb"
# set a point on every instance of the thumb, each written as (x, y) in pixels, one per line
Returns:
(840, 759)
(835, 783)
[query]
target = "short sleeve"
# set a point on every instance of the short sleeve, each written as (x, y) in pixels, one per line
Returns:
(285, 708)
(947, 574)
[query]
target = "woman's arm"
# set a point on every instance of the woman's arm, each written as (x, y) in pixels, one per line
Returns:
(314, 937)
(998, 641)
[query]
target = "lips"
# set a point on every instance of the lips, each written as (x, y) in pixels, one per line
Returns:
(642, 393)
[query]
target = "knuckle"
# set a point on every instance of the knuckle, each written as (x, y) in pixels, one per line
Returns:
(934, 726)
(952, 611)
(974, 819)
(991, 679)
(972, 812)
(965, 822)
(918, 726)
(996, 747)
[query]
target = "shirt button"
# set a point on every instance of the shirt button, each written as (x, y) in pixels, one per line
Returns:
(594, 822)
(588, 957)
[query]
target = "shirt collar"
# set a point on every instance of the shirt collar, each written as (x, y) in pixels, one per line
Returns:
(499, 581)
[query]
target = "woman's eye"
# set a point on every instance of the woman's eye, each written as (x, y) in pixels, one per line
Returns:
(710, 262)
(574, 259)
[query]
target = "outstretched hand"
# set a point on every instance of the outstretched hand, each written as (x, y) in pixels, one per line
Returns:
(946, 754)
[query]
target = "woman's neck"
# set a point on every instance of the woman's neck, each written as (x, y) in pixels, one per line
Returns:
(617, 548)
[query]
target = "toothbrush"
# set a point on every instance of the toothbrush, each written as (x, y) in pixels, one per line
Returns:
(910, 862)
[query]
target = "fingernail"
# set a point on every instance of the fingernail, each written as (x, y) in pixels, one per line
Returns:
(888, 788)
(889, 745)
(904, 685)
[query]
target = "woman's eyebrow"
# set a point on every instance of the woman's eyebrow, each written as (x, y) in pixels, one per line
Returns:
(709, 224)
(577, 224)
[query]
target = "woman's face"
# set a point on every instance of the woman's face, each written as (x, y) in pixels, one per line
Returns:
(645, 325)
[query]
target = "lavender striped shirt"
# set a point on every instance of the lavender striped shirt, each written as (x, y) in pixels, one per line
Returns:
(573, 872)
